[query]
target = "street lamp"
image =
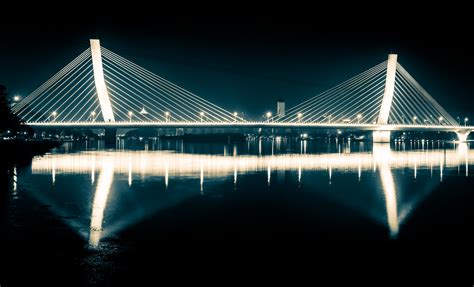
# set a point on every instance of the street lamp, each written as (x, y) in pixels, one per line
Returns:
(268, 115)
(299, 116)
(440, 119)
(16, 98)
(459, 120)
(202, 116)
(130, 114)
(54, 114)
(167, 116)
(465, 121)
(93, 116)
(235, 116)
(359, 116)
(414, 119)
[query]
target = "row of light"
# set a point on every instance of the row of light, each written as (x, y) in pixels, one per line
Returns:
(130, 115)
(299, 116)
(268, 115)
(440, 119)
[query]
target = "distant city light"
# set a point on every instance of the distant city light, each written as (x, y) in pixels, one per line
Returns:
(16, 98)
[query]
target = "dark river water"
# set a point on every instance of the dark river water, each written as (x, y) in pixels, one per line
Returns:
(91, 213)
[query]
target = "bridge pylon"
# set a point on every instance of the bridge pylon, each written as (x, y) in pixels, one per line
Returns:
(462, 135)
(383, 136)
(99, 80)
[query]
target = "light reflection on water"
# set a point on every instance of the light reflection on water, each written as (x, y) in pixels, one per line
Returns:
(176, 168)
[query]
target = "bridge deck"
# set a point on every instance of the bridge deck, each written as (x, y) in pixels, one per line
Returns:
(263, 125)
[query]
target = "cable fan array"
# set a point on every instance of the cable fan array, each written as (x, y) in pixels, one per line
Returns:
(359, 99)
(136, 94)
(67, 96)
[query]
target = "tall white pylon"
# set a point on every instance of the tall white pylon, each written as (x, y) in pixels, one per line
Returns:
(101, 89)
(389, 89)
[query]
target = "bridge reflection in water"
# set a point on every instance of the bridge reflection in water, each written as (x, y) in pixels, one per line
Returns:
(140, 164)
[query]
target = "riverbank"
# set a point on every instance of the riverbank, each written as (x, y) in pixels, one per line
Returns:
(20, 152)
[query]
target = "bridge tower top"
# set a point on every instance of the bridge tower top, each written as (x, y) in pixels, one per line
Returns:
(389, 89)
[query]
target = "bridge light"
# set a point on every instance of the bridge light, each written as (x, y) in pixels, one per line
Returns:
(465, 121)
(299, 116)
(143, 111)
(130, 115)
(167, 116)
(16, 98)
(202, 116)
(359, 116)
(93, 116)
(414, 119)
(440, 119)
(235, 116)
(53, 115)
(268, 115)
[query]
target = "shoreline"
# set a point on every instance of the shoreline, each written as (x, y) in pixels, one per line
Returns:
(21, 152)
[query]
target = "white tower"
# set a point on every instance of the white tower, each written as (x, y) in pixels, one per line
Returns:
(100, 87)
(384, 135)
(389, 88)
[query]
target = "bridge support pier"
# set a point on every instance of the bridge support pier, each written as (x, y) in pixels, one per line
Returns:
(110, 136)
(462, 136)
(381, 136)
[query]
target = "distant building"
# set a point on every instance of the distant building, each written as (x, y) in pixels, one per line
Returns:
(280, 108)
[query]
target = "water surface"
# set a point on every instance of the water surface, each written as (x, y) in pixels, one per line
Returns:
(108, 200)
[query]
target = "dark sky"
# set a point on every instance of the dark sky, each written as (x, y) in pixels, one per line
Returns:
(246, 67)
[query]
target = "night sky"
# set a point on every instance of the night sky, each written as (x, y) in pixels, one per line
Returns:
(247, 67)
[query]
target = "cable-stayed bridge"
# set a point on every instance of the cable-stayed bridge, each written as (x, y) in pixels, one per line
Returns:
(101, 89)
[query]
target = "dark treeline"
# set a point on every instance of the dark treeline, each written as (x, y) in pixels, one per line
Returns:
(15, 150)
(8, 120)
